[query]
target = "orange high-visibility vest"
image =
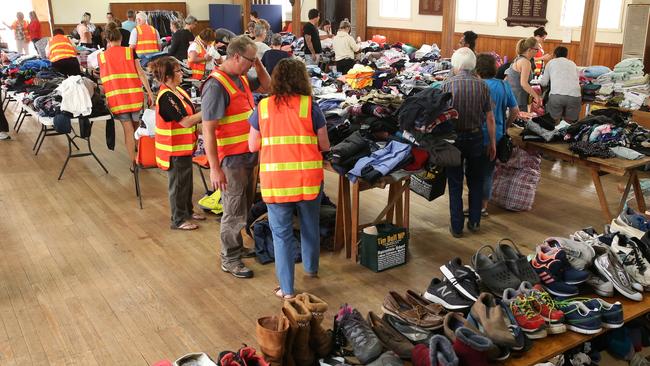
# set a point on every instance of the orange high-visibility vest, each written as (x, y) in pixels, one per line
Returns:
(122, 85)
(291, 165)
(147, 40)
(60, 48)
(172, 139)
(198, 68)
(14, 25)
(232, 130)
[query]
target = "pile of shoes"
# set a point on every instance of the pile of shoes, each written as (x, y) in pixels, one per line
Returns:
(245, 356)
(296, 337)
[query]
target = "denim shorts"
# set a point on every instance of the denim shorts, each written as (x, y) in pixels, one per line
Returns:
(130, 116)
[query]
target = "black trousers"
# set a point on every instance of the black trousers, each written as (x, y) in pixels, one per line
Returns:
(4, 125)
(180, 185)
(67, 66)
(343, 66)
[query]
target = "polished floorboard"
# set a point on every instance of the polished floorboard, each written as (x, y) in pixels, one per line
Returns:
(88, 278)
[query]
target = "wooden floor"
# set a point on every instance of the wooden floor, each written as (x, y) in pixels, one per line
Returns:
(87, 278)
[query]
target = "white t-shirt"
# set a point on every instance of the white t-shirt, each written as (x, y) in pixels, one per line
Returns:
(261, 49)
(563, 75)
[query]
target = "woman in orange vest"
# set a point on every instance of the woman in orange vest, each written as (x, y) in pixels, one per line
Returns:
(123, 78)
(21, 33)
(197, 53)
(540, 57)
(62, 54)
(176, 123)
(289, 132)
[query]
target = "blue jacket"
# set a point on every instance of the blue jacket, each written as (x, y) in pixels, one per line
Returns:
(382, 161)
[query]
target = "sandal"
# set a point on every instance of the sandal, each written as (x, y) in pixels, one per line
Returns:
(186, 226)
(198, 216)
(279, 294)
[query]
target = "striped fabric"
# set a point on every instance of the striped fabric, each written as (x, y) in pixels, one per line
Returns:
(471, 98)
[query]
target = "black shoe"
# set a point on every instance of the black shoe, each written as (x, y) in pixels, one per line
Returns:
(412, 332)
(473, 227)
(444, 293)
(248, 253)
(463, 278)
(455, 234)
(237, 269)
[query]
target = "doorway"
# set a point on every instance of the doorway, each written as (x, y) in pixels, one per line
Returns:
(335, 11)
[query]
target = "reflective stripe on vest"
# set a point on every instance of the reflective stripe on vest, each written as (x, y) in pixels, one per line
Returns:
(61, 48)
(291, 165)
(198, 68)
(172, 139)
(147, 40)
(232, 130)
(120, 80)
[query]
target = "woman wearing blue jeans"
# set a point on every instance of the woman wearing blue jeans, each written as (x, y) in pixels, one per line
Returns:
(503, 100)
(289, 132)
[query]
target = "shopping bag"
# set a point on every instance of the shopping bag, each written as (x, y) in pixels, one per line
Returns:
(383, 246)
(429, 184)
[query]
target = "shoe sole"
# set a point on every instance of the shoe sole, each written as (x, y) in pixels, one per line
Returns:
(582, 330)
(446, 305)
(386, 311)
(234, 274)
(612, 326)
(559, 293)
(603, 293)
(575, 283)
(623, 291)
(452, 279)
(537, 335)
(556, 328)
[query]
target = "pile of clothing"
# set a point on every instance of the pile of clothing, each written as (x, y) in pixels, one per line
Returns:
(626, 86)
(605, 133)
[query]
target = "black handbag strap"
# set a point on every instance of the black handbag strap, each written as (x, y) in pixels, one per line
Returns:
(505, 103)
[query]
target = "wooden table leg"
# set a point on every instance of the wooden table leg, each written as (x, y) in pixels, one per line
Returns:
(601, 195)
(339, 230)
(354, 227)
(399, 205)
(626, 192)
(407, 203)
(390, 215)
(638, 193)
(346, 216)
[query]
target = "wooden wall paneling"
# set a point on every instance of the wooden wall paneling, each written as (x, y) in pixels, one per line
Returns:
(296, 25)
(448, 27)
(119, 9)
(606, 54)
(362, 19)
(588, 32)
(45, 29)
(246, 9)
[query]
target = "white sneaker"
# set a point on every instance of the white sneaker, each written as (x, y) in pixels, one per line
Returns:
(579, 254)
(601, 286)
(621, 227)
(4, 136)
(633, 260)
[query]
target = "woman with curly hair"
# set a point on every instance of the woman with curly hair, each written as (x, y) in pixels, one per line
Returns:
(289, 132)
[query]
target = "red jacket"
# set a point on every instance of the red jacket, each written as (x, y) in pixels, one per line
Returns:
(35, 29)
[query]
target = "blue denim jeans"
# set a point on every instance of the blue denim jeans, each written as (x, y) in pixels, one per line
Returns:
(487, 178)
(472, 164)
(281, 222)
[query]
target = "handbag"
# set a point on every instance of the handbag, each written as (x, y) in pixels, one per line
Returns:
(505, 145)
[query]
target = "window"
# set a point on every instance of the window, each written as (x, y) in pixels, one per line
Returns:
(481, 11)
(395, 9)
(286, 8)
(609, 14)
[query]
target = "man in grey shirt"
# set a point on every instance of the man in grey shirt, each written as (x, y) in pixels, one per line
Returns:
(564, 100)
(226, 104)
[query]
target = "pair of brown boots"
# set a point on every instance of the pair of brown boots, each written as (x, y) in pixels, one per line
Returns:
(296, 338)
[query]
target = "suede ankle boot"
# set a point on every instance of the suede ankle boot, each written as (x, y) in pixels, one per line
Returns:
(299, 327)
(320, 340)
(271, 332)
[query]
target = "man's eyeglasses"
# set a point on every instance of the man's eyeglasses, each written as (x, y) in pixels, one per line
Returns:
(252, 60)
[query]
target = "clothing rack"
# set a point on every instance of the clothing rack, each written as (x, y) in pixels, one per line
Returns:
(161, 20)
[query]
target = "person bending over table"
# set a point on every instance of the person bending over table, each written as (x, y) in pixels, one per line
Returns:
(123, 78)
(565, 96)
(62, 54)
(520, 74)
(344, 48)
(176, 134)
(289, 132)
